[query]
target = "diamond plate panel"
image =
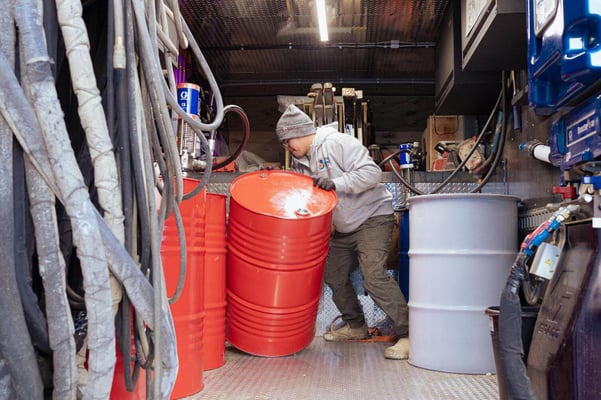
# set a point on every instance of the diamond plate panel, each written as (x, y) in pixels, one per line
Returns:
(337, 371)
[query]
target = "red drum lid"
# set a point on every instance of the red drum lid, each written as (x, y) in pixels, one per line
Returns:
(281, 194)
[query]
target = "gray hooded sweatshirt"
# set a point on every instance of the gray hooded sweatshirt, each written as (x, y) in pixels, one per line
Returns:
(343, 159)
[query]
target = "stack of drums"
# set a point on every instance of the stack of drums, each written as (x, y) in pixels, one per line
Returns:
(188, 310)
(214, 284)
(278, 239)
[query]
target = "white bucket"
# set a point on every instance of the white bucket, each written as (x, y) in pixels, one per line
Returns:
(461, 250)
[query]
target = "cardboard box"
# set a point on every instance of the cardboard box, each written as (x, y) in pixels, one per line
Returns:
(439, 128)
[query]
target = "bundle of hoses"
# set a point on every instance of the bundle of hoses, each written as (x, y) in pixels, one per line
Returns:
(95, 154)
(511, 350)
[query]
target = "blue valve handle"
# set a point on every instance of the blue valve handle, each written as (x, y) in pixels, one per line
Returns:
(592, 180)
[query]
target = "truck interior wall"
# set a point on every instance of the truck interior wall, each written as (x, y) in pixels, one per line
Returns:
(394, 120)
(398, 119)
(530, 179)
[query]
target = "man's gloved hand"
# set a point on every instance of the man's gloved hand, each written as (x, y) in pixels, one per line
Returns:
(323, 183)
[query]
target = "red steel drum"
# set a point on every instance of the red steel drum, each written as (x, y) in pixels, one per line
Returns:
(214, 284)
(278, 240)
(188, 311)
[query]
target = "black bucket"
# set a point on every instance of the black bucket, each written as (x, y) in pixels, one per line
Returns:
(529, 315)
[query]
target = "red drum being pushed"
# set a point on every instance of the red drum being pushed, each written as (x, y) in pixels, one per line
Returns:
(278, 240)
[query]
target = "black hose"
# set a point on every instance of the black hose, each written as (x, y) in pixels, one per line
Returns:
(36, 321)
(238, 110)
(511, 350)
(124, 341)
(407, 184)
(124, 145)
(124, 153)
(182, 255)
(149, 125)
(157, 154)
(75, 299)
(108, 100)
(500, 100)
(144, 359)
(153, 78)
(501, 139)
(51, 28)
(134, 124)
(389, 158)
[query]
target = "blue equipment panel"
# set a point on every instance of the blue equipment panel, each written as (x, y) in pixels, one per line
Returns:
(576, 136)
(564, 53)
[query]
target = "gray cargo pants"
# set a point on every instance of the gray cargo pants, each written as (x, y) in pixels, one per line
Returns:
(367, 247)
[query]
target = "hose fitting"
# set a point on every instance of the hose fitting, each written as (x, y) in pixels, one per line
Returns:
(537, 150)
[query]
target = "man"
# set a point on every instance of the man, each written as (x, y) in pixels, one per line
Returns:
(363, 220)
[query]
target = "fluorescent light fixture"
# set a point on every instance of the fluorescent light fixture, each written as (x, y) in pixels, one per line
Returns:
(321, 20)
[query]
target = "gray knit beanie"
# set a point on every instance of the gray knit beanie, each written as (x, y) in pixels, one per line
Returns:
(294, 123)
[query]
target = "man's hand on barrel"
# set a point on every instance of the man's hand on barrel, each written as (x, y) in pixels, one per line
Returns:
(324, 183)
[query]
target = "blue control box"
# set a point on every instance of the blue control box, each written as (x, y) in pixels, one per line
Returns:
(564, 52)
(576, 136)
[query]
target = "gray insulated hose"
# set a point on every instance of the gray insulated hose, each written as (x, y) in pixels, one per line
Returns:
(15, 110)
(52, 269)
(510, 349)
(70, 182)
(19, 373)
(16, 349)
(23, 230)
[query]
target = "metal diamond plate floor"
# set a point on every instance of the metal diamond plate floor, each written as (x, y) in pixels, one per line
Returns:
(349, 370)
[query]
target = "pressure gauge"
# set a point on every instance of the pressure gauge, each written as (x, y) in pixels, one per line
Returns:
(544, 11)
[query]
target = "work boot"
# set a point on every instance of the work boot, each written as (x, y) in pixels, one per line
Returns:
(346, 333)
(400, 351)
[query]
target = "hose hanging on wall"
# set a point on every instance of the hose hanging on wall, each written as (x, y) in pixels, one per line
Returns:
(153, 75)
(86, 235)
(124, 339)
(16, 111)
(149, 134)
(245, 135)
(120, 64)
(106, 182)
(19, 372)
(51, 267)
(36, 321)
